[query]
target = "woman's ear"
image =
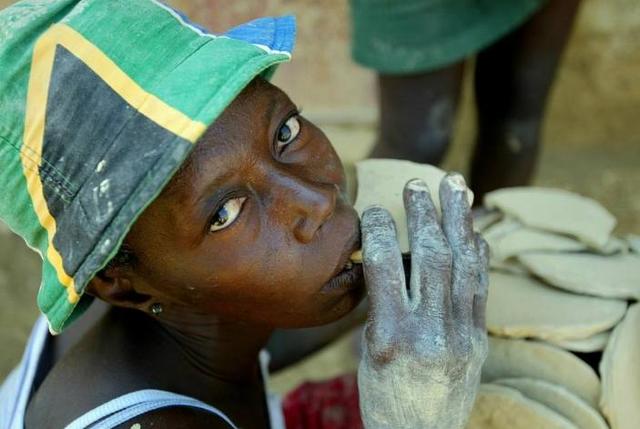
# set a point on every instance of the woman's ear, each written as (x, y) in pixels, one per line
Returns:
(114, 286)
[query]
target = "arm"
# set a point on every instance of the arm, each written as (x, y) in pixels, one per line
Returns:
(423, 345)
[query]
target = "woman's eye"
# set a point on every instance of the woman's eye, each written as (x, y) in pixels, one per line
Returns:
(227, 214)
(288, 133)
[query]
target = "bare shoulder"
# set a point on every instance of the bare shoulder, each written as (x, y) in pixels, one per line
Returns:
(51, 409)
(176, 418)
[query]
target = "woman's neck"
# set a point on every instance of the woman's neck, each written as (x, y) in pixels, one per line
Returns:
(210, 360)
(193, 355)
(217, 349)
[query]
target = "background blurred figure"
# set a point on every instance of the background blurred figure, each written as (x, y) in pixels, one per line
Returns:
(419, 48)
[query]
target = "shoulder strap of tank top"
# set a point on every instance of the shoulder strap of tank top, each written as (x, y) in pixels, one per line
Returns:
(131, 405)
(18, 386)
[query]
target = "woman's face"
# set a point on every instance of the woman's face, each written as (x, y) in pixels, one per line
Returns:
(256, 226)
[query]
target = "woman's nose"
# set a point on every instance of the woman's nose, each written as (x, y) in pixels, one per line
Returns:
(308, 205)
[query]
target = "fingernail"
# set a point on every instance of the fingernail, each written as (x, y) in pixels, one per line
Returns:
(457, 181)
(373, 207)
(417, 185)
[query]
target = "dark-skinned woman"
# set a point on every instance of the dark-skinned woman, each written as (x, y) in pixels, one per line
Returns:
(157, 171)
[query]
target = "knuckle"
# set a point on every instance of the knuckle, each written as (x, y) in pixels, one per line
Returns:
(441, 258)
(482, 293)
(482, 244)
(481, 286)
(482, 276)
(468, 264)
(462, 352)
(468, 254)
(381, 344)
(458, 363)
(483, 249)
(382, 355)
(429, 237)
(469, 248)
(465, 346)
(440, 360)
(432, 240)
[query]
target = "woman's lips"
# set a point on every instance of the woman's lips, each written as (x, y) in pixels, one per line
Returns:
(348, 279)
(348, 273)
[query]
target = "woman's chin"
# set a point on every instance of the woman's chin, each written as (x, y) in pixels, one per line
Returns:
(344, 303)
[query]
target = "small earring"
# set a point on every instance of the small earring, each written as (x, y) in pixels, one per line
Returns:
(156, 308)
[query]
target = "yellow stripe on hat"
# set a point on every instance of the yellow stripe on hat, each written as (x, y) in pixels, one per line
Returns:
(146, 103)
(31, 155)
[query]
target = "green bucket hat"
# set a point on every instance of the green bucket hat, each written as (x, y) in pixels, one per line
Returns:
(100, 103)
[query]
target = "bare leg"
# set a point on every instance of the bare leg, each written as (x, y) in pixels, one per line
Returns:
(512, 81)
(416, 114)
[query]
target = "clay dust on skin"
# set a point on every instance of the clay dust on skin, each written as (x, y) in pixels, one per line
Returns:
(403, 398)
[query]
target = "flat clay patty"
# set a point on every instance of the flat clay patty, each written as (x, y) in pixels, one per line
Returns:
(533, 359)
(558, 399)
(381, 182)
(607, 276)
(522, 307)
(501, 407)
(526, 240)
(620, 370)
(595, 343)
(556, 210)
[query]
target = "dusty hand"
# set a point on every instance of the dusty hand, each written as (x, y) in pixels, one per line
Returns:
(423, 346)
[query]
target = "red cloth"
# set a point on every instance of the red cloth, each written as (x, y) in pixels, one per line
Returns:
(329, 404)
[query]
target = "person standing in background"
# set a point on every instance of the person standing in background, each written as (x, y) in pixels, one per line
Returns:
(419, 49)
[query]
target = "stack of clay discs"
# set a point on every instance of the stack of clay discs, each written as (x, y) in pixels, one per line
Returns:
(562, 288)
